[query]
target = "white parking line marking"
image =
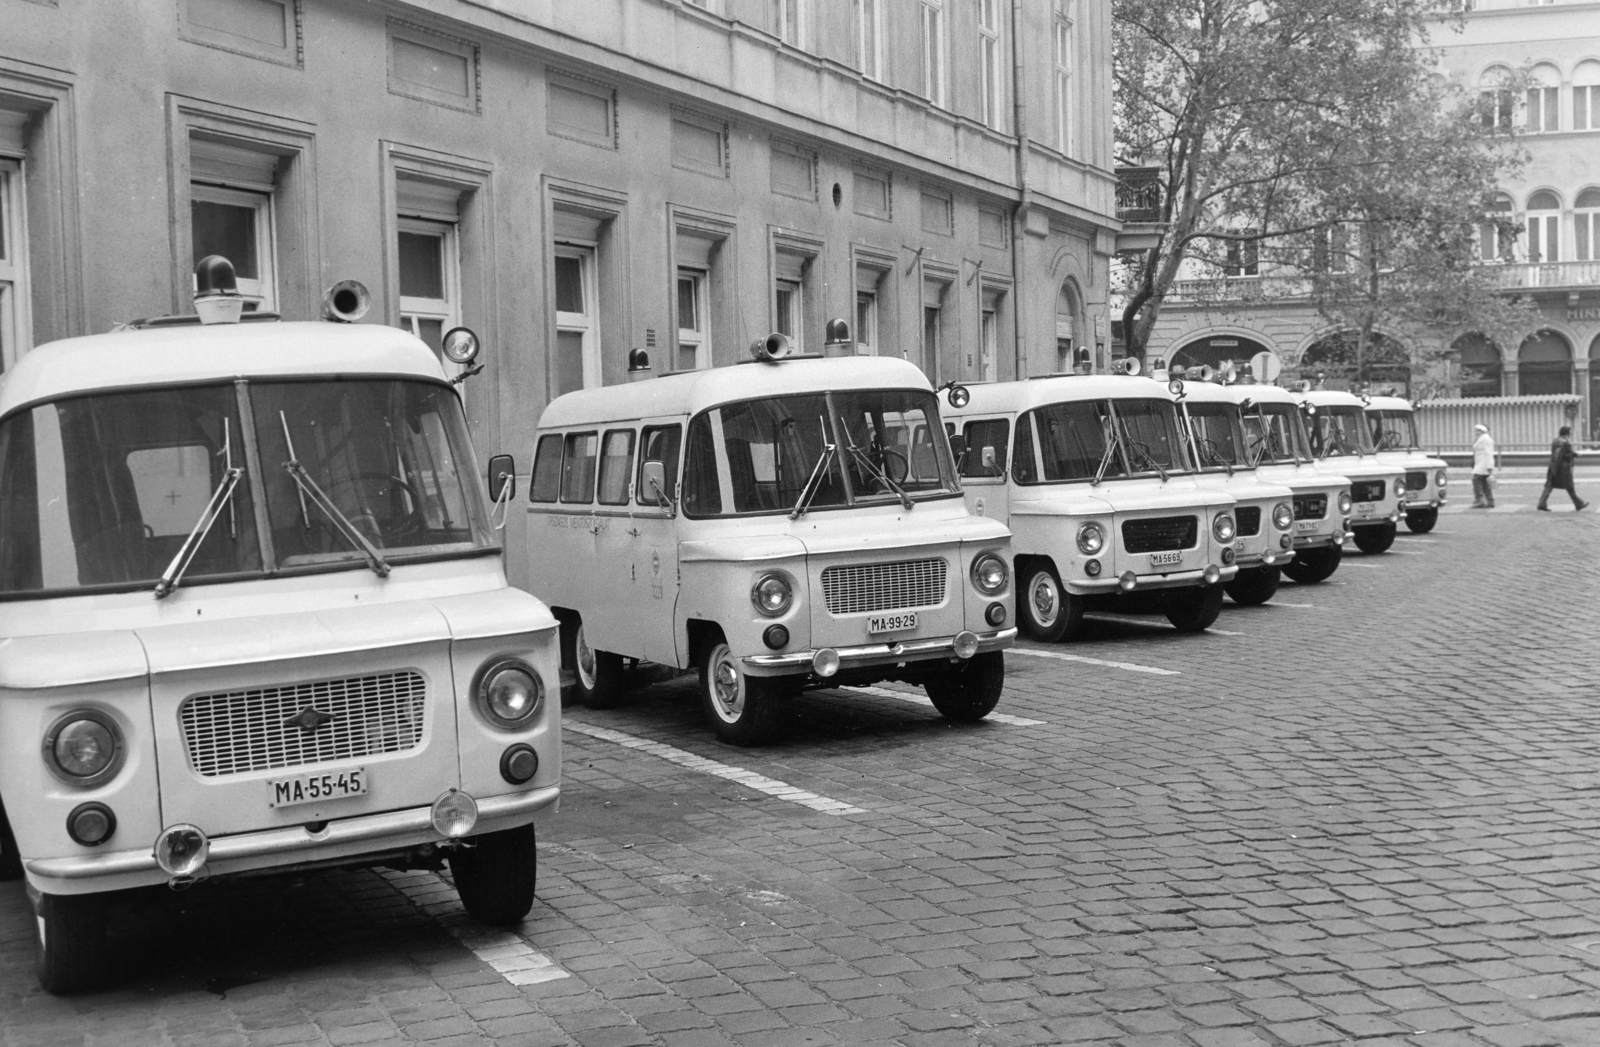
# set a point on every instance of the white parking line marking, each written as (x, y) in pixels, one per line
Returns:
(749, 779)
(1130, 666)
(1414, 538)
(1296, 606)
(1403, 552)
(922, 699)
(1151, 623)
(1373, 566)
(507, 953)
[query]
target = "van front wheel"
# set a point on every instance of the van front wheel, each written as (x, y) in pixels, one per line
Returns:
(597, 676)
(742, 709)
(1374, 540)
(1314, 565)
(1421, 521)
(1254, 586)
(496, 879)
(969, 691)
(69, 941)
(1193, 610)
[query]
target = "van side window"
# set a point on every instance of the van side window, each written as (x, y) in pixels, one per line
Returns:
(1024, 470)
(702, 496)
(577, 467)
(616, 465)
(992, 433)
(546, 470)
(660, 444)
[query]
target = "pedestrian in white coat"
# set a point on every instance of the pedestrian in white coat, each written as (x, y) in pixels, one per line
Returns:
(1483, 467)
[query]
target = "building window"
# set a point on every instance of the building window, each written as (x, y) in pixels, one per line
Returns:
(694, 329)
(430, 280)
(1586, 97)
(989, 67)
(790, 17)
(935, 294)
(789, 312)
(15, 330)
(933, 64)
(1243, 258)
(1586, 226)
(1496, 105)
(1545, 365)
(577, 356)
(1497, 236)
(869, 38)
(1544, 109)
(1063, 78)
(1544, 227)
(236, 224)
(989, 341)
(867, 323)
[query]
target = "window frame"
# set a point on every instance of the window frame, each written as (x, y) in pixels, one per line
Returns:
(627, 467)
(935, 74)
(587, 323)
(698, 337)
(1061, 57)
(262, 290)
(991, 84)
(643, 497)
(869, 52)
(16, 328)
(567, 459)
(447, 310)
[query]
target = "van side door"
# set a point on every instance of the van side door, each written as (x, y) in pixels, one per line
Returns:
(654, 546)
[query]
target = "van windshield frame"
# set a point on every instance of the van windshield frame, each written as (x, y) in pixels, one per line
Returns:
(1341, 430)
(1388, 423)
(749, 458)
(1281, 428)
(1147, 440)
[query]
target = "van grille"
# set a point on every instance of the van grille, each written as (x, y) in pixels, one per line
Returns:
(1310, 506)
(1249, 520)
(1417, 480)
(252, 730)
(1160, 533)
(884, 586)
(1368, 490)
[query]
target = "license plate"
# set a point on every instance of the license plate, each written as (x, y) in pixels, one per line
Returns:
(1366, 509)
(310, 788)
(892, 623)
(1238, 545)
(1306, 526)
(1162, 559)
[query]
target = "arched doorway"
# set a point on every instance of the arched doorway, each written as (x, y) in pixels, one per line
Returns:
(1384, 366)
(1215, 350)
(1594, 388)
(1480, 365)
(1544, 365)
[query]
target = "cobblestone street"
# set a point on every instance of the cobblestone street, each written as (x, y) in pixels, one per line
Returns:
(1365, 812)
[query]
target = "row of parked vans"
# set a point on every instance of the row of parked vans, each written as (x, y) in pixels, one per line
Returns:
(254, 614)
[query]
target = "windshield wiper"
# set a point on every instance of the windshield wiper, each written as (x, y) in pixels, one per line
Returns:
(222, 496)
(308, 488)
(1215, 455)
(878, 474)
(818, 471)
(1108, 436)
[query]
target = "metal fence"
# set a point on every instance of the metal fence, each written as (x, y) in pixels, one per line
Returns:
(1517, 423)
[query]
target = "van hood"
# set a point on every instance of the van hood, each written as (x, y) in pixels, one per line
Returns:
(1125, 496)
(871, 530)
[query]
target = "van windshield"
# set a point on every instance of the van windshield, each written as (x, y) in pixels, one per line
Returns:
(757, 456)
(1143, 436)
(100, 492)
(1340, 430)
(1218, 439)
(1274, 433)
(1394, 430)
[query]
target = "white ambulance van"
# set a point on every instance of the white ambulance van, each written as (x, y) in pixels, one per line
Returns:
(1341, 437)
(253, 617)
(1092, 474)
(1264, 509)
(1276, 440)
(786, 523)
(1394, 433)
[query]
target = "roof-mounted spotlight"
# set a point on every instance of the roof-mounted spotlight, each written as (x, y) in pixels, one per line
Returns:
(955, 394)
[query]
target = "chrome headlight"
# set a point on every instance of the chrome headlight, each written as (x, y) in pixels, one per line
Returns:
(1400, 487)
(510, 693)
(1283, 516)
(1441, 479)
(772, 594)
(1222, 527)
(1345, 502)
(989, 574)
(84, 747)
(1091, 539)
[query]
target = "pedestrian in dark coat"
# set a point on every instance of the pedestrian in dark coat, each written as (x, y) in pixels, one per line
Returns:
(1559, 473)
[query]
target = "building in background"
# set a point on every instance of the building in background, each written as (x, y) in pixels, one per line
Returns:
(574, 179)
(1556, 204)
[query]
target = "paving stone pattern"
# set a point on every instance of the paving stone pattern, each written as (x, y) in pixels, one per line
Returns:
(1367, 820)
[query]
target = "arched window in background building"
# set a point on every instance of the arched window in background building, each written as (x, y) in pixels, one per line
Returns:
(1217, 350)
(1496, 104)
(1497, 239)
(1545, 365)
(1586, 226)
(1544, 227)
(1544, 100)
(1480, 365)
(1586, 96)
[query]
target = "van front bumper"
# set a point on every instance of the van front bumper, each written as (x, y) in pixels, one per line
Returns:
(348, 838)
(873, 654)
(1147, 582)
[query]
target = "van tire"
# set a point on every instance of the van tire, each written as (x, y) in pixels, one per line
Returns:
(969, 691)
(597, 676)
(10, 857)
(1421, 521)
(69, 942)
(1193, 610)
(496, 879)
(1254, 586)
(1374, 540)
(742, 709)
(1045, 610)
(1310, 566)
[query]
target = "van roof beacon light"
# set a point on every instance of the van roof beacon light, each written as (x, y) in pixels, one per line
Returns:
(216, 291)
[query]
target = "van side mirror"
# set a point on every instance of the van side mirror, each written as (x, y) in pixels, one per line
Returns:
(655, 484)
(988, 460)
(502, 474)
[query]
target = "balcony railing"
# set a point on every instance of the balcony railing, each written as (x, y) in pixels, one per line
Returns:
(1139, 194)
(1548, 274)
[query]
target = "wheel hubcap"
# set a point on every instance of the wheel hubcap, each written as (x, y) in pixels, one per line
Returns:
(1046, 602)
(729, 697)
(585, 661)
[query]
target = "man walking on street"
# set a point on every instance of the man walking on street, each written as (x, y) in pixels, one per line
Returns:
(1482, 468)
(1559, 474)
